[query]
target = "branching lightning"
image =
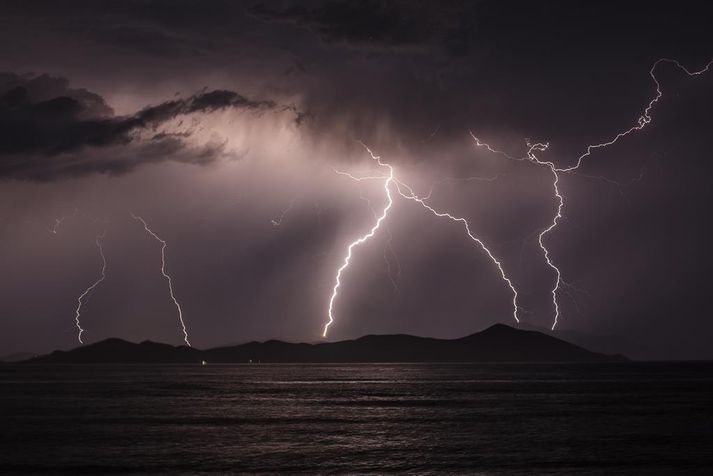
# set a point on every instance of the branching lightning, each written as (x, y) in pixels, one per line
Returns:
(80, 299)
(166, 275)
(642, 122)
(409, 194)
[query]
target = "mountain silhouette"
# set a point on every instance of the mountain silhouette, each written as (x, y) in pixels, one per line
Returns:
(499, 343)
(17, 357)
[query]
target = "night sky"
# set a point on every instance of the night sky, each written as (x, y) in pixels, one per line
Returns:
(222, 124)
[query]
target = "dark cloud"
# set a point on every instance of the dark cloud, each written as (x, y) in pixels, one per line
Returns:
(42, 121)
(160, 29)
(528, 68)
(371, 24)
(367, 23)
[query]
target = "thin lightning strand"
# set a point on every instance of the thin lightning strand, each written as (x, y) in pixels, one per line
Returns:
(479, 143)
(645, 118)
(412, 196)
(362, 178)
(165, 275)
(338, 280)
(58, 221)
(80, 299)
(278, 221)
(642, 122)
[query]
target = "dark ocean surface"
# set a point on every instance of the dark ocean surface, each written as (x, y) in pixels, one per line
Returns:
(626, 418)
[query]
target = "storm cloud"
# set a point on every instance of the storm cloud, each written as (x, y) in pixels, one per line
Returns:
(45, 123)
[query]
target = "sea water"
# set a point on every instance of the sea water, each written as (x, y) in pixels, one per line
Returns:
(624, 418)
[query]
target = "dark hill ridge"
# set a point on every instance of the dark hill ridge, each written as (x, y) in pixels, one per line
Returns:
(499, 343)
(17, 357)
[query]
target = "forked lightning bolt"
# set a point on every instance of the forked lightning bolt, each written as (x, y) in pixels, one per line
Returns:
(166, 275)
(80, 299)
(642, 121)
(409, 195)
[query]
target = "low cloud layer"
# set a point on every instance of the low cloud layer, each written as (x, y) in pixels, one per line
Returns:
(45, 124)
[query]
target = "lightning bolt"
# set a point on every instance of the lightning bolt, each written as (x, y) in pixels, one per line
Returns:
(388, 180)
(409, 194)
(641, 123)
(166, 275)
(80, 299)
(98, 240)
(555, 220)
